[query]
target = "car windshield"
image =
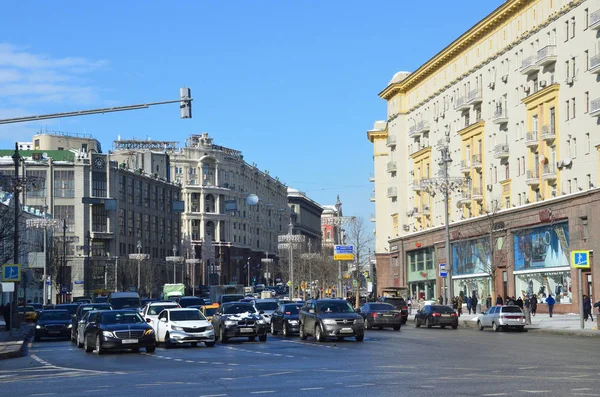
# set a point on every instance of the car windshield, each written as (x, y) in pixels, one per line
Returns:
(266, 305)
(121, 318)
(55, 315)
(335, 307)
(185, 302)
(511, 309)
(290, 309)
(186, 315)
(71, 308)
(85, 309)
(156, 309)
(441, 309)
(239, 309)
(231, 298)
(122, 303)
(381, 306)
(395, 301)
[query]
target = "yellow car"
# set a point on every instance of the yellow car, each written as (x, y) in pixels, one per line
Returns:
(30, 314)
(209, 310)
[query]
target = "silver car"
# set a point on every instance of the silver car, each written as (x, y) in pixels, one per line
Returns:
(502, 318)
(266, 307)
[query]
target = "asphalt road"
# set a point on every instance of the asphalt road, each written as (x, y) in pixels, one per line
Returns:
(413, 362)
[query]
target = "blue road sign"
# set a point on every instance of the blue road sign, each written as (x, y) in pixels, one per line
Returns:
(11, 273)
(443, 272)
(580, 259)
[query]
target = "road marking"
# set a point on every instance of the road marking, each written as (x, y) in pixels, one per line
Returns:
(213, 395)
(177, 359)
(262, 392)
(535, 391)
(277, 373)
(528, 367)
(494, 394)
(43, 394)
(361, 385)
(582, 389)
(311, 388)
(188, 361)
(428, 386)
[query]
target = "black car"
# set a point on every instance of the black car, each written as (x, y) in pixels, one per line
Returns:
(286, 319)
(53, 324)
(71, 307)
(381, 315)
(81, 310)
(239, 320)
(187, 301)
(436, 315)
(324, 318)
(399, 303)
(101, 299)
(118, 330)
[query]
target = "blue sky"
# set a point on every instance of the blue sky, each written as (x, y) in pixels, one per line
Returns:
(292, 84)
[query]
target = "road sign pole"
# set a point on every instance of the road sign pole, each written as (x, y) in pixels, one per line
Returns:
(581, 321)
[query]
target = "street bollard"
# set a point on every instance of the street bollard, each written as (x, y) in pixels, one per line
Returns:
(478, 309)
(527, 316)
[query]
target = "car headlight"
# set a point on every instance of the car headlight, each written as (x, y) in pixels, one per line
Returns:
(293, 322)
(262, 321)
(359, 321)
(329, 321)
(149, 332)
(210, 328)
(38, 327)
(70, 326)
(230, 323)
(176, 328)
(108, 334)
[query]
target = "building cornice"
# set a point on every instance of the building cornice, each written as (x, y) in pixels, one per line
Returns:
(425, 152)
(377, 134)
(541, 96)
(473, 129)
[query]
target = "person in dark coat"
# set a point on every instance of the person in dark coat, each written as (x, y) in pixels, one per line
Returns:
(474, 302)
(550, 301)
(6, 315)
(499, 301)
(587, 308)
(520, 302)
(533, 302)
(468, 304)
(488, 302)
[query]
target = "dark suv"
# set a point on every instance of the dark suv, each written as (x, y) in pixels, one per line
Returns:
(400, 305)
(335, 318)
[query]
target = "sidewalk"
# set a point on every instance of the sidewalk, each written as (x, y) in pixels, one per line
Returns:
(16, 345)
(561, 324)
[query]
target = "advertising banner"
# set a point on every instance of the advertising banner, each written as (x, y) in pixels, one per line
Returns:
(542, 247)
(470, 257)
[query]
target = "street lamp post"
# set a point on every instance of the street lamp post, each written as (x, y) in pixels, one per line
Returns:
(44, 224)
(139, 257)
(193, 262)
(175, 259)
(338, 222)
(267, 261)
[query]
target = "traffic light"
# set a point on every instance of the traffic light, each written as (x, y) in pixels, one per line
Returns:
(185, 106)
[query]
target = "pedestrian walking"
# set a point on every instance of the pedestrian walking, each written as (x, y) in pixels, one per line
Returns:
(587, 308)
(597, 304)
(469, 304)
(550, 301)
(488, 302)
(499, 301)
(533, 302)
(474, 302)
(6, 315)
(459, 304)
(520, 302)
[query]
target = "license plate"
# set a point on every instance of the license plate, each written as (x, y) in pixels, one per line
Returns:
(53, 332)
(346, 331)
(246, 330)
(129, 341)
(388, 315)
(447, 315)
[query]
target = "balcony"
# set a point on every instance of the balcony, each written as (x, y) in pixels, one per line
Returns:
(392, 192)
(474, 97)
(423, 126)
(549, 172)
(595, 107)
(372, 197)
(528, 66)
(417, 148)
(477, 193)
(465, 197)
(425, 210)
(546, 55)
(391, 166)
(595, 20)
(461, 104)
(501, 151)
(465, 166)
(500, 116)
(390, 141)
(373, 218)
(548, 132)
(595, 64)
(476, 161)
(531, 139)
(533, 177)
(413, 132)
(417, 186)
(371, 177)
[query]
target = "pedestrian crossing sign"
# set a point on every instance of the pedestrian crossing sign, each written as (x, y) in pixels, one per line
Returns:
(580, 259)
(11, 273)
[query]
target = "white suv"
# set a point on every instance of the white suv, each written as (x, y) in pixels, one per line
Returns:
(151, 311)
(502, 317)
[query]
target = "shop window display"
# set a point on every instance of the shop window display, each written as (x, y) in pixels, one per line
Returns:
(541, 284)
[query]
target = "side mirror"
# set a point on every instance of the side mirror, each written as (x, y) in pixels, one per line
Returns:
(148, 320)
(163, 320)
(311, 311)
(81, 321)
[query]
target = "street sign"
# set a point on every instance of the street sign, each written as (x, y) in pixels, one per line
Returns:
(343, 253)
(580, 259)
(289, 283)
(11, 273)
(354, 283)
(443, 272)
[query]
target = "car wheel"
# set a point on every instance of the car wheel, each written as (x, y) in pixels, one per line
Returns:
(359, 338)
(428, 323)
(222, 336)
(417, 323)
(273, 331)
(36, 338)
(194, 344)
(209, 344)
(495, 327)
(284, 330)
(150, 349)
(404, 320)
(442, 326)
(368, 324)
(86, 344)
(99, 349)
(262, 338)
(479, 325)
(319, 337)
(168, 343)
(455, 326)
(522, 329)
(302, 333)
(79, 344)
(397, 328)
(251, 338)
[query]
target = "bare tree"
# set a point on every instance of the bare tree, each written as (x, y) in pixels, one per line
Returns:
(361, 239)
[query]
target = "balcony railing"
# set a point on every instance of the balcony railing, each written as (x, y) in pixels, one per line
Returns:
(391, 166)
(595, 107)
(392, 192)
(465, 196)
(533, 177)
(500, 116)
(390, 141)
(477, 193)
(595, 64)
(461, 104)
(546, 55)
(423, 126)
(372, 197)
(371, 177)
(415, 148)
(595, 20)
(475, 96)
(528, 65)
(425, 210)
(549, 171)
(476, 160)
(548, 132)
(413, 132)
(501, 151)
(417, 186)
(465, 166)
(373, 218)
(531, 139)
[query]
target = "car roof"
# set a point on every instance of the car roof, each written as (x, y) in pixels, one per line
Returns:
(265, 300)
(237, 303)
(57, 310)
(180, 309)
(162, 303)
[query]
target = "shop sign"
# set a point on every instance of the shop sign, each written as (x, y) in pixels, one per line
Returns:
(542, 247)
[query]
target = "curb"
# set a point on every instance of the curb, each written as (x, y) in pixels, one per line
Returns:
(15, 353)
(588, 333)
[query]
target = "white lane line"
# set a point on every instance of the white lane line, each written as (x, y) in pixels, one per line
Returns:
(582, 389)
(188, 361)
(361, 385)
(232, 364)
(213, 395)
(428, 386)
(262, 392)
(177, 359)
(42, 394)
(535, 391)
(276, 373)
(311, 388)
(528, 367)
(494, 394)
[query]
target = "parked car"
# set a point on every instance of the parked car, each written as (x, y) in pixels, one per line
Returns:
(118, 330)
(151, 311)
(399, 303)
(324, 318)
(286, 319)
(184, 325)
(502, 318)
(53, 324)
(381, 315)
(28, 312)
(239, 319)
(436, 315)
(48, 307)
(71, 307)
(186, 301)
(266, 307)
(81, 310)
(38, 307)
(81, 324)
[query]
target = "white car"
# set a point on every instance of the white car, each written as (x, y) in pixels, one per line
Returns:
(176, 326)
(266, 307)
(151, 311)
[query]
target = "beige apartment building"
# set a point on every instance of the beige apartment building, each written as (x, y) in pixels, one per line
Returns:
(514, 102)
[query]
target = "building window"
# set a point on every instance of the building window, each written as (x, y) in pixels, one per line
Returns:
(64, 184)
(573, 108)
(121, 222)
(130, 190)
(566, 30)
(586, 58)
(587, 101)
(66, 212)
(586, 20)
(588, 143)
(98, 184)
(98, 219)
(138, 225)
(573, 27)
(40, 189)
(574, 147)
(589, 181)
(130, 223)
(567, 109)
